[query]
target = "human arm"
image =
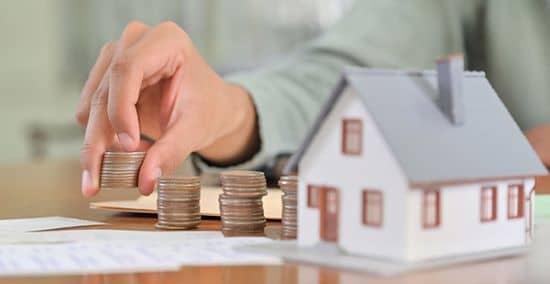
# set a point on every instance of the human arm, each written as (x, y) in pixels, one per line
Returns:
(155, 78)
(289, 91)
(153, 81)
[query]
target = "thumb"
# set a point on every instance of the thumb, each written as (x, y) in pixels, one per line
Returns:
(163, 157)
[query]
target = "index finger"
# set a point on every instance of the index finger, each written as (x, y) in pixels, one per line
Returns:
(99, 135)
(95, 77)
(157, 55)
(133, 32)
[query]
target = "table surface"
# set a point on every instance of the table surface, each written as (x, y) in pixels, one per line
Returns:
(52, 188)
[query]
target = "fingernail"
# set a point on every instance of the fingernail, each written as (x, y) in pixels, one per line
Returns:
(126, 141)
(86, 182)
(157, 172)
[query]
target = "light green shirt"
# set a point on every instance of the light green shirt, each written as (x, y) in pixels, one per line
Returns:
(508, 39)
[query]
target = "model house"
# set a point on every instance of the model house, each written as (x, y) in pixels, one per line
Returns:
(414, 166)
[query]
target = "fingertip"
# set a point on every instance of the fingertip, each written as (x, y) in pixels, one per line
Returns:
(146, 186)
(89, 187)
(148, 176)
(145, 192)
(90, 192)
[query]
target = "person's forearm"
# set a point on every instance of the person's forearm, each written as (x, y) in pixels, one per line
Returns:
(243, 138)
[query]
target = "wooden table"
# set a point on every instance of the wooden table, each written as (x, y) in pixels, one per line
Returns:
(52, 188)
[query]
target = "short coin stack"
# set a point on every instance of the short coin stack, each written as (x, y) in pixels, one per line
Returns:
(241, 206)
(178, 203)
(121, 169)
(289, 185)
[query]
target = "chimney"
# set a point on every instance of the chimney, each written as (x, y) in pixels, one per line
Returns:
(449, 78)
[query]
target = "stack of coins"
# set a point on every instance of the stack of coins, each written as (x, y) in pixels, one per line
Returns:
(121, 169)
(241, 206)
(289, 185)
(178, 203)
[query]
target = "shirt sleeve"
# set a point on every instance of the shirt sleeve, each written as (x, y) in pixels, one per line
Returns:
(376, 33)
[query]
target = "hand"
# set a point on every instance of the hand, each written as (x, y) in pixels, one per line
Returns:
(539, 137)
(153, 81)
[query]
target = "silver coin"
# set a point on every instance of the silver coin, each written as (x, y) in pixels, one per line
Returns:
(243, 223)
(179, 221)
(171, 227)
(124, 154)
(241, 173)
(240, 201)
(178, 212)
(112, 181)
(179, 193)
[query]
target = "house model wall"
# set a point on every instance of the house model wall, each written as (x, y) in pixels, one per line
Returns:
(393, 169)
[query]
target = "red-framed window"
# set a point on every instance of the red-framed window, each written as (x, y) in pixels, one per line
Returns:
(373, 208)
(431, 209)
(515, 201)
(488, 208)
(352, 136)
(312, 196)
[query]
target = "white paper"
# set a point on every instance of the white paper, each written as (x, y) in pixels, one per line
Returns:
(78, 258)
(52, 237)
(43, 223)
(126, 256)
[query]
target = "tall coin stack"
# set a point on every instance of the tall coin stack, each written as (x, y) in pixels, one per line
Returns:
(289, 185)
(241, 206)
(178, 203)
(120, 169)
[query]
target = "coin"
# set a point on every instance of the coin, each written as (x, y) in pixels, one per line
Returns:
(178, 202)
(241, 206)
(120, 169)
(289, 186)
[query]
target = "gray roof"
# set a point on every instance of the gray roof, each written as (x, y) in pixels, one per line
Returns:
(426, 145)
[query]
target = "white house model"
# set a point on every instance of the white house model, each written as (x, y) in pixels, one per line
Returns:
(413, 166)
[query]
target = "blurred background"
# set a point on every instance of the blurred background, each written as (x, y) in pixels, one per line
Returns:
(47, 48)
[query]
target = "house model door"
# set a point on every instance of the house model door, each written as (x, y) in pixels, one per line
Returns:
(329, 211)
